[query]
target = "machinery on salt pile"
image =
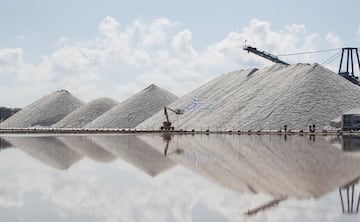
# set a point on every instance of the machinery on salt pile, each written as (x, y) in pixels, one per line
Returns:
(264, 54)
(167, 125)
(349, 121)
(347, 68)
(349, 72)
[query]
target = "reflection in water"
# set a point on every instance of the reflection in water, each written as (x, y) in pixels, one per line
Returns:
(89, 148)
(49, 150)
(263, 207)
(279, 167)
(350, 143)
(4, 144)
(136, 152)
(350, 197)
(291, 167)
(166, 138)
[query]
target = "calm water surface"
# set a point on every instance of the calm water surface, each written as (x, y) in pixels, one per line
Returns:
(179, 178)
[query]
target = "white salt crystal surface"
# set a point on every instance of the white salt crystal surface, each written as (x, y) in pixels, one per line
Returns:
(134, 110)
(44, 111)
(295, 95)
(86, 113)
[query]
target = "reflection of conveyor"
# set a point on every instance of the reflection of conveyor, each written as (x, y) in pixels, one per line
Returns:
(263, 207)
(348, 200)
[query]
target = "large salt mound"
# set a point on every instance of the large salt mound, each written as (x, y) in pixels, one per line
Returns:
(86, 113)
(294, 95)
(134, 110)
(45, 111)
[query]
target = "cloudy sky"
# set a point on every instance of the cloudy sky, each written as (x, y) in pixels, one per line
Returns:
(116, 48)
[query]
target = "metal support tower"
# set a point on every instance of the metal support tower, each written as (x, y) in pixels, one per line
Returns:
(347, 70)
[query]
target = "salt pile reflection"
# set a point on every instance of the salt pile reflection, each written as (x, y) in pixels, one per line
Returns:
(49, 150)
(296, 167)
(88, 147)
(282, 169)
(136, 152)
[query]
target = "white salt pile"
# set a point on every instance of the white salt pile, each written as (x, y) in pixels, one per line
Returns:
(45, 111)
(295, 95)
(86, 113)
(134, 110)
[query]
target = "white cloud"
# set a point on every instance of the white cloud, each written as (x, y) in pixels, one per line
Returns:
(128, 89)
(229, 53)
(26, 35)
(12, 191)
(62, 41)
(11, 59)
(333, 40)
(296, 28)
(182, 45)
(146, 52)
(75, 60)
(109, 26)
(155, 33)
(10, 196)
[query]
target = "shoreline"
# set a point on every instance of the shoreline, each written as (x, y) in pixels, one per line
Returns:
(178, 132)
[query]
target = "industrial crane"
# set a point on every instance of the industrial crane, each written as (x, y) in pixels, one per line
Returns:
(346, 68)
(347, 71)
(264, 54)
(167, 124)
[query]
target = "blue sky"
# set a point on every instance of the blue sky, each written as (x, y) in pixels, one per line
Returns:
(116, 48)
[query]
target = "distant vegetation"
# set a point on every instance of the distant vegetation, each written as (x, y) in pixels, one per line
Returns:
(7, 112)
